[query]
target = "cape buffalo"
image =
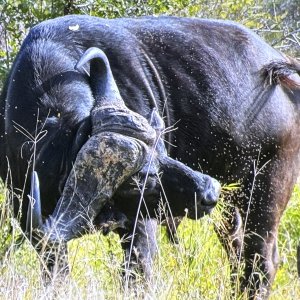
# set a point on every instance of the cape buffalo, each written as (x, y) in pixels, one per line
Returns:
(233, 99)
(93, 161)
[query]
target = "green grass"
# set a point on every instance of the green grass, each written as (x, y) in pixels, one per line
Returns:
(287, 284)
(196, 268)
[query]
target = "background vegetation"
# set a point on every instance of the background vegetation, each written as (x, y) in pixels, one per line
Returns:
(197, 268)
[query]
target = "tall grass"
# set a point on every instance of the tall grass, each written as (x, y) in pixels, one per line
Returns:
(195, 268)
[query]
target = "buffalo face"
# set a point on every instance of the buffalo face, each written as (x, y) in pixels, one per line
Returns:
(122, 144)
(182, 190)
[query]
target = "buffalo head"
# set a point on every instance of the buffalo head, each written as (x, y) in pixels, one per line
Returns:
(122, 144)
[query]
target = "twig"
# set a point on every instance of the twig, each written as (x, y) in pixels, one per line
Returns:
(292, 33)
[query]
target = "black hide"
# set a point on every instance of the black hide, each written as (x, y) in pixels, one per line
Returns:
(233, 99)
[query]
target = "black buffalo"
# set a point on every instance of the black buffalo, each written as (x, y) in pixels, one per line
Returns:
(232, 98)
(94, 162)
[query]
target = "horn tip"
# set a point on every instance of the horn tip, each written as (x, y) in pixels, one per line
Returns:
(34, 215)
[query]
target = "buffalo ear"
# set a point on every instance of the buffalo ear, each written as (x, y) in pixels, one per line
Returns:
(103, 84)
(82, 134)
(158, 125)
(156, 121)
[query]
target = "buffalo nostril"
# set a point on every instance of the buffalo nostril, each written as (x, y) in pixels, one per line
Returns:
(211, 193)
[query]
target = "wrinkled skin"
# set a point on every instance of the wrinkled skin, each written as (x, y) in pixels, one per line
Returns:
(233, 98)
(102, 164)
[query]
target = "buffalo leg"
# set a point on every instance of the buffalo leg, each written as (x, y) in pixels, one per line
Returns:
(261, 211)
(230, 235)
(261, 221)
(265, 211)
(139, 252)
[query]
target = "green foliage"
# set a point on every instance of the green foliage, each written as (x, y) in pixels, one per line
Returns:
(289, 237)
(196, 268)
(5, 222)
(288, 12)
(291, 219)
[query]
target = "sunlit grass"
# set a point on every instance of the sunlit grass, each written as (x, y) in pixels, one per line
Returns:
(196, 268)
(287, 285)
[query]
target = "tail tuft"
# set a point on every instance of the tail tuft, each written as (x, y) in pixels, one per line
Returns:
(279, 72)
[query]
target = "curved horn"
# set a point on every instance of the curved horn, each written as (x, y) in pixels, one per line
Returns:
(34, 214)
(103, 84)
